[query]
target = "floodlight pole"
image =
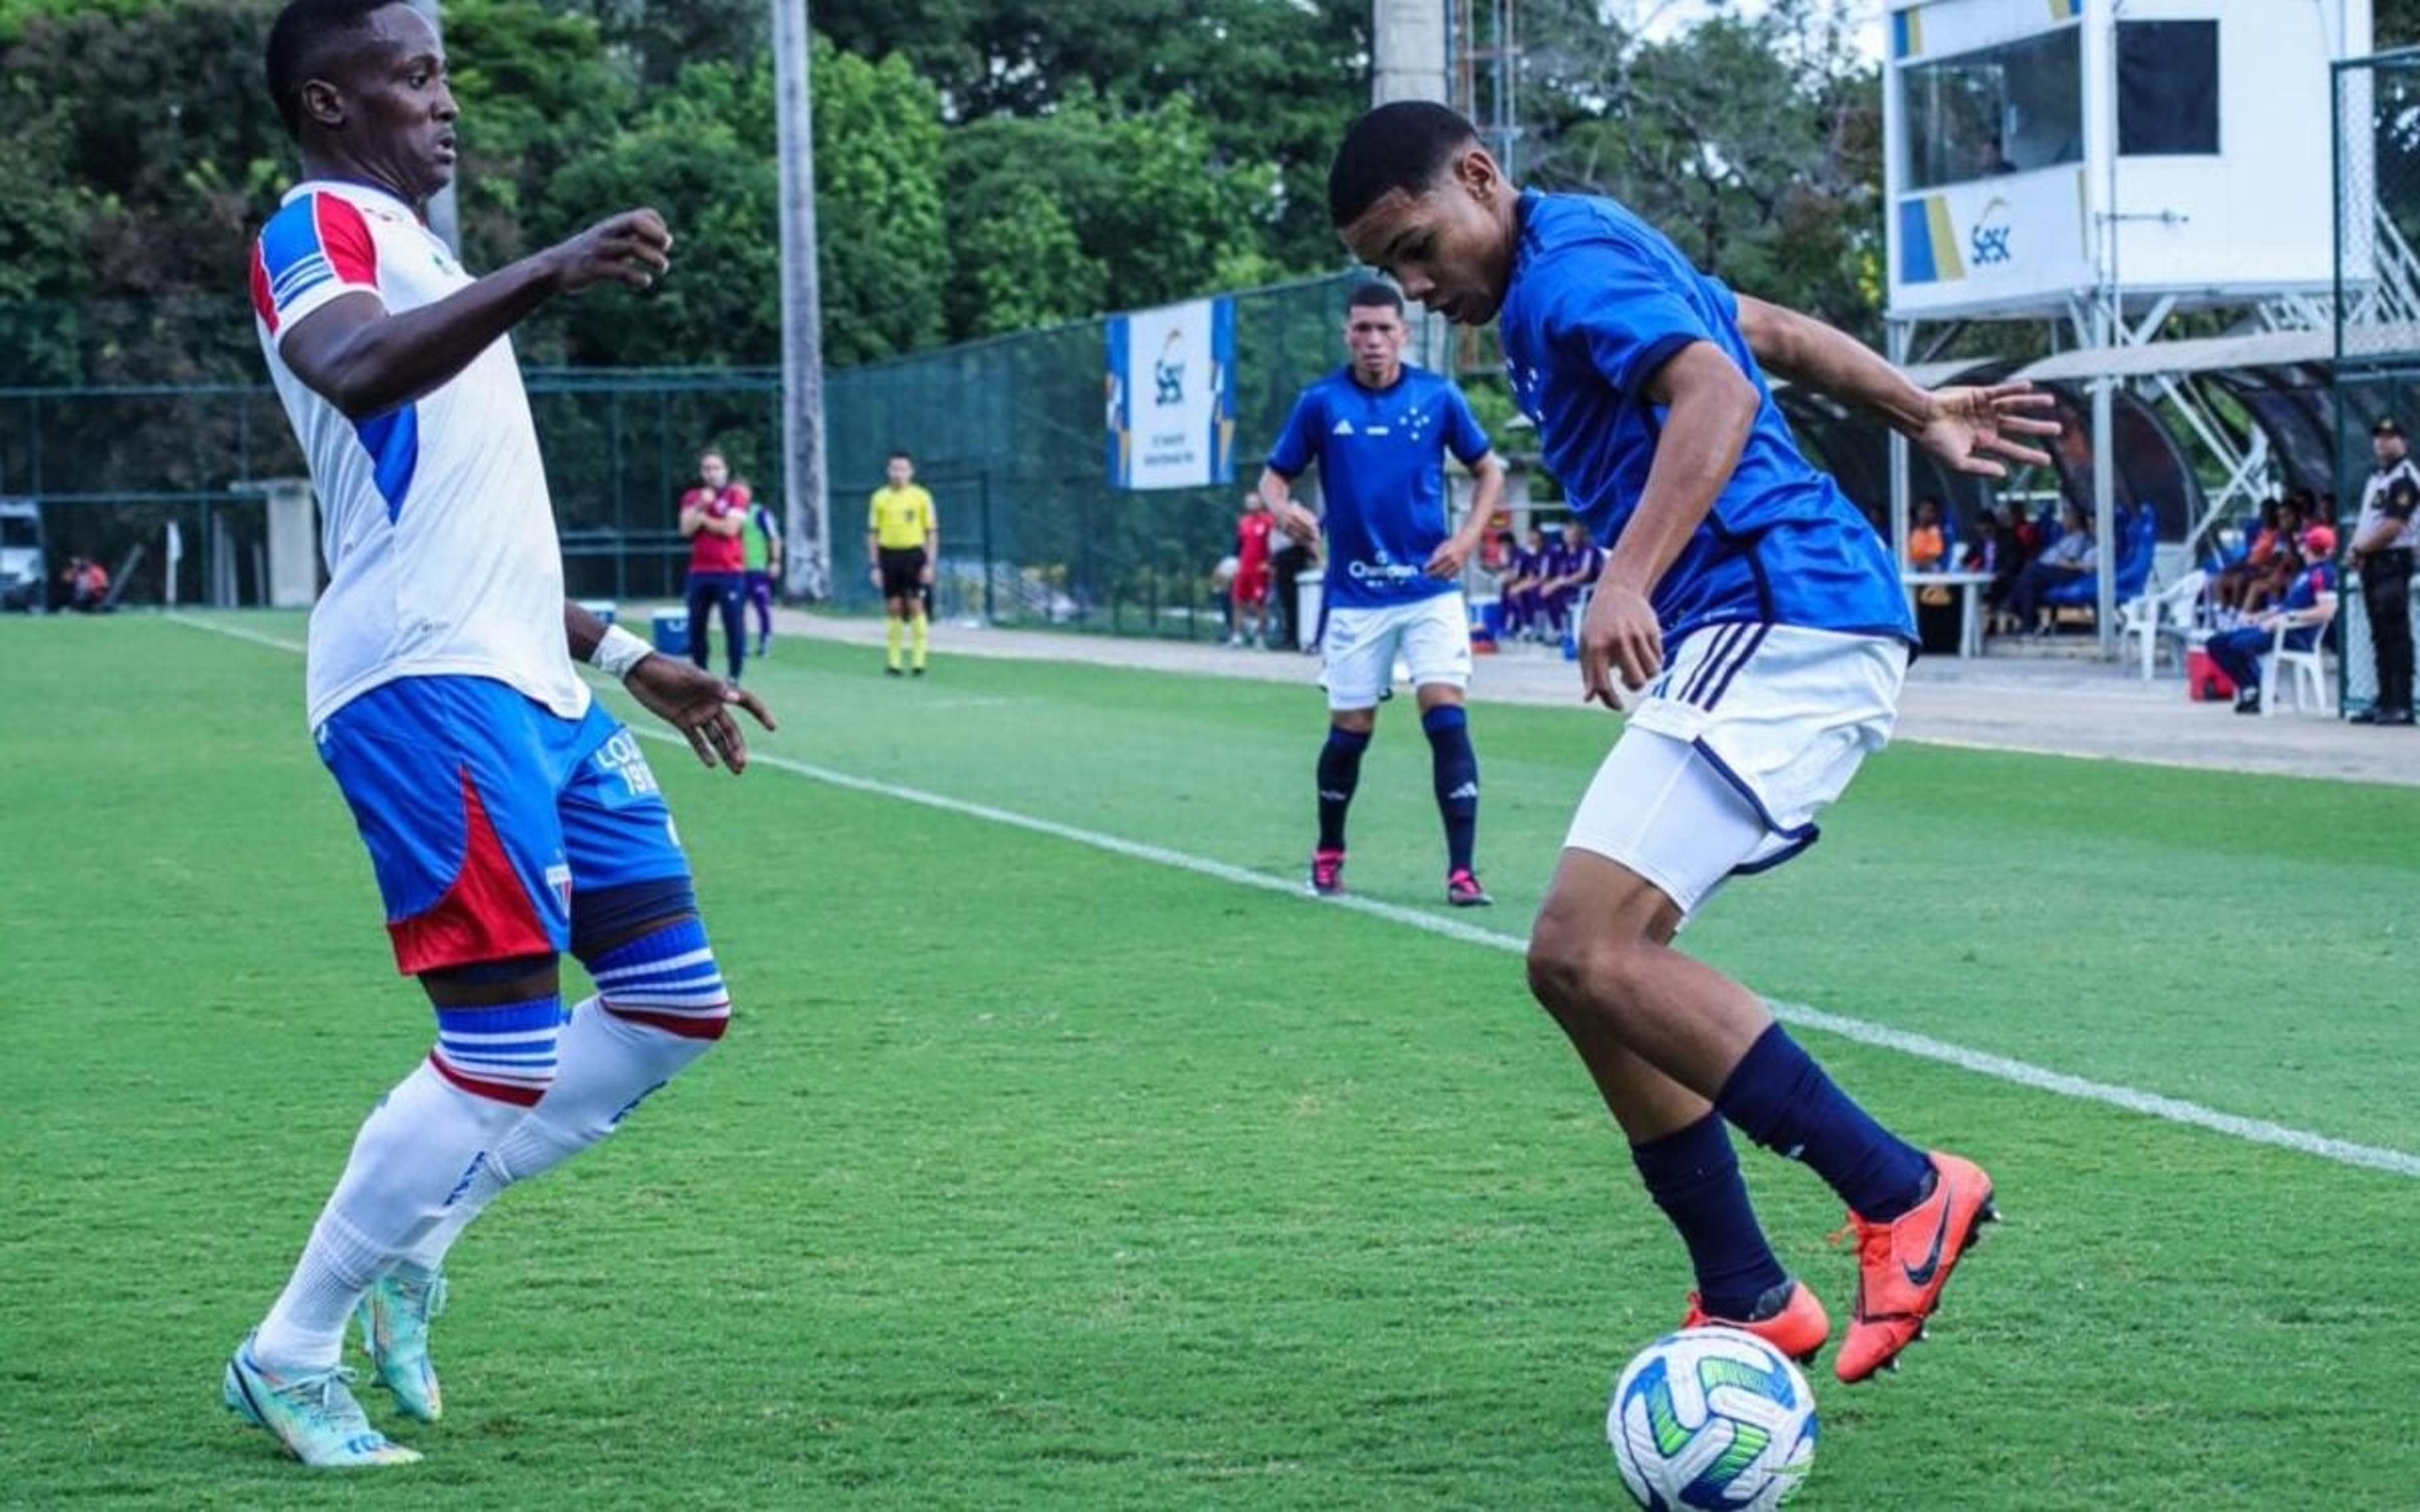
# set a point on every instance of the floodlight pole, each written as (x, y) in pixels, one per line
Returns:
(445, 216)
(806, 509)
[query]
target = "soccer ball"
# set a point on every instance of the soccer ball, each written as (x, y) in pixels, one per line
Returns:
(1712, 1417)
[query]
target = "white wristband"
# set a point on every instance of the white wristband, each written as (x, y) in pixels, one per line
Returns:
(619, 651)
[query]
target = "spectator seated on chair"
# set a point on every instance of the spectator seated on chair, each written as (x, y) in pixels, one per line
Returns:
(2068, 559)
(1987, 552)
(2265, 588)
(1524, 616)
(87, 586)
(2228, 584)
(2309, 604)
(2138, 540)
(1572, 565)
(1927, 545)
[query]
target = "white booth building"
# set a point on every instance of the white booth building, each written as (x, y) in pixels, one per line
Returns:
(2041, 151)
(2101, 165)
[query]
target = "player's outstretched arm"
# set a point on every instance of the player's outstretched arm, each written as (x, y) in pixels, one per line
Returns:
(687, 697)
(1973, 430)
(365, 362)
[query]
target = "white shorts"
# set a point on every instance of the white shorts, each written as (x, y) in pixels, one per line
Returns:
(1748, 734)
(1432, 635)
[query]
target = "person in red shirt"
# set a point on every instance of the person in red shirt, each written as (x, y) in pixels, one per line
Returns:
(1251, 587)
(713, 515)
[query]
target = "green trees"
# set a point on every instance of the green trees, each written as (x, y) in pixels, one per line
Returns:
(1754, 141)
(983, 164)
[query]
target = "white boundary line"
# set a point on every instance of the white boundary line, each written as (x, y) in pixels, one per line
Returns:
(1923, 1047)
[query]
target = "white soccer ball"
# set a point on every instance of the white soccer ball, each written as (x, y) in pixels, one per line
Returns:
(1711, 1418)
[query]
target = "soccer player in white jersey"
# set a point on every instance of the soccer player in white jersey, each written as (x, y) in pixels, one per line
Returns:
(508, 817)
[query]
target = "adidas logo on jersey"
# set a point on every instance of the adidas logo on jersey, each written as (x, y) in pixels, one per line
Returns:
(1344, 427)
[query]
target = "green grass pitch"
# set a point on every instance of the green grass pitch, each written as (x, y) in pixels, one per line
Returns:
(1032, 1176)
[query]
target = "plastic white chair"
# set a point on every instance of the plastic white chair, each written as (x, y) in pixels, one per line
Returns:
(2174, 611)
(2314, 690)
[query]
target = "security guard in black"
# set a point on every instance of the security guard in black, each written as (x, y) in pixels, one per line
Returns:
(2384, 542)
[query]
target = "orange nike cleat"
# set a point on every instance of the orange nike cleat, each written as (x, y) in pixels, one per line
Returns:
(1798, 1327)
(1903, 1264)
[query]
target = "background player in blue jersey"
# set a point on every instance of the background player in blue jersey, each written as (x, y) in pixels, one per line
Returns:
(1379, 429)
(1762, 623)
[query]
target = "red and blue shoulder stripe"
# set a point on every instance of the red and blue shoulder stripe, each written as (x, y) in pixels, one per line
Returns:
(313, 241)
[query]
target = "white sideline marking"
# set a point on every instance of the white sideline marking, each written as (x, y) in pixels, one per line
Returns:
(273, 642)
(1923, 1047)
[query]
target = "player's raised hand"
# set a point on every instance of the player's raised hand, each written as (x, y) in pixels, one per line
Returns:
(1620, 639)
(632, 248)
(698, 704)
(1974, 429)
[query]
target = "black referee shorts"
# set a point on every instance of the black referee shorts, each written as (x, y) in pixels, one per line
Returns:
(903, 571)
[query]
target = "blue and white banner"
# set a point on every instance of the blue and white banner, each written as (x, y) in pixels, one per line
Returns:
(1172, 395)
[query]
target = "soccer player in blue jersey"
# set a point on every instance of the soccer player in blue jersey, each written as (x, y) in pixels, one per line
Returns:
(1756, 627)
(1379, 428)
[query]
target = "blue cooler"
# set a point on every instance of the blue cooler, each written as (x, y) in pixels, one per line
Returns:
(672, 631)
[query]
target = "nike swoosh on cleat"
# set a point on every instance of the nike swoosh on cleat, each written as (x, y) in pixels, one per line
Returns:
(1921, 1275)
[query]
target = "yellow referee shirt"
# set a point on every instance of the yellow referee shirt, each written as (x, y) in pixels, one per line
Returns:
(900, 518)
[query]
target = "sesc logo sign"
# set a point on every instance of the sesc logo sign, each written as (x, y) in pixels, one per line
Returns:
(1987, 242)
(1167, 373)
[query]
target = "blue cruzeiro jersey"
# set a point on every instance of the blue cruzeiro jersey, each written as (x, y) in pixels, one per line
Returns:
(1381, 455)
(2312, 581)
(1598, 301)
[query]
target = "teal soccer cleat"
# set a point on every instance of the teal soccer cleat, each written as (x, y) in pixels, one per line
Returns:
(395, 1332)
(315, 1415)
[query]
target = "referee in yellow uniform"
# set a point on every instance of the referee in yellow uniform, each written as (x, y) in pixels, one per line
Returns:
(903, 540)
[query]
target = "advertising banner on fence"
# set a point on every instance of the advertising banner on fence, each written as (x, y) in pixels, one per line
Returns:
(1172, 395)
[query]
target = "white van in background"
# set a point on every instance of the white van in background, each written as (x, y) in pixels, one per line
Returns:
(25, 565)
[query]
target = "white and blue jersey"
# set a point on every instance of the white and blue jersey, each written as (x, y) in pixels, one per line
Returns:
(1599, 301)
(488, 785)
(435, 518)
(1381, 455)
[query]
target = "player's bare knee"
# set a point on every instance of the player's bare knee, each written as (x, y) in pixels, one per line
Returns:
(1559, 963)
(1586, 968)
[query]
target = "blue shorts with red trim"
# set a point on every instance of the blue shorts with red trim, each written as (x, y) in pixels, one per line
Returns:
(484, 812)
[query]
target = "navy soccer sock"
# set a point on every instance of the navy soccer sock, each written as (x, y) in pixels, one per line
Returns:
(1456, 768)
(1695, 1178)
(1782, 1100)
(1339, 773)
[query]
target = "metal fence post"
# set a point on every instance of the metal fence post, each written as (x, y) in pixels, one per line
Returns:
(983, 497)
